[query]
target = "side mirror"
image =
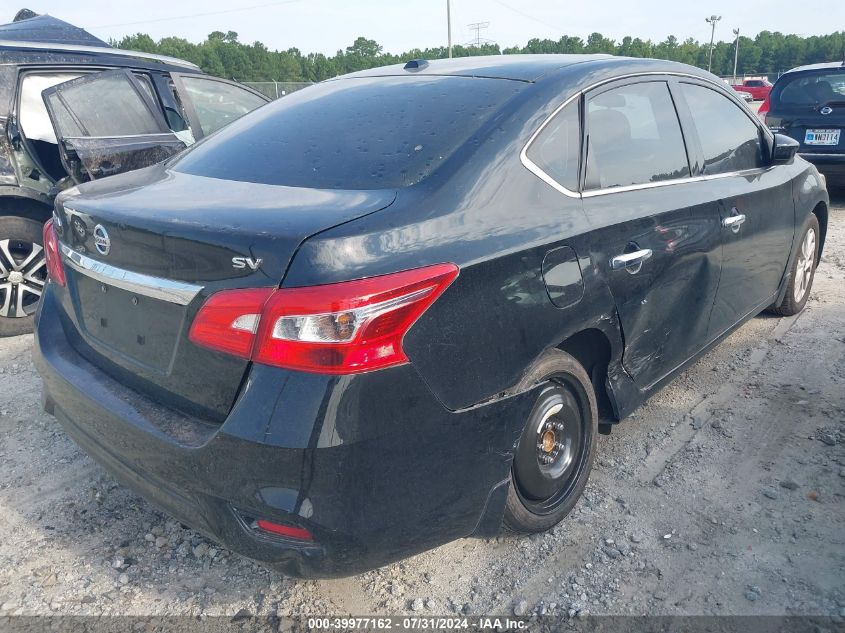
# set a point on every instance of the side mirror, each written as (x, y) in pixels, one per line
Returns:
(784, 150)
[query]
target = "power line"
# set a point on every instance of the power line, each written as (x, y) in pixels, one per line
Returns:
(197, 15)
(530, 17)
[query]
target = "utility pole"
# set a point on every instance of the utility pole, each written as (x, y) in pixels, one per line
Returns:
(449, 24)
(477, 26)
(712, 22)
(736, 52)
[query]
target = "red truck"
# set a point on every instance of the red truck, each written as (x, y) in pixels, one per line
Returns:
(758, 88)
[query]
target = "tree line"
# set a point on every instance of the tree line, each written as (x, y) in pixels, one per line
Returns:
(221, 54)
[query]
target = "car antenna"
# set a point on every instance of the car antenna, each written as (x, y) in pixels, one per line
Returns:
(416, 65)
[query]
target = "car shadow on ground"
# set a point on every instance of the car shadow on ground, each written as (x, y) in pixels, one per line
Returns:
(836, 190)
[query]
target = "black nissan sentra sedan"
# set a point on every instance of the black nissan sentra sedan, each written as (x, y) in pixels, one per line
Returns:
(395, 308)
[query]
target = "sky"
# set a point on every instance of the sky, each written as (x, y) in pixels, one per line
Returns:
(399, 25)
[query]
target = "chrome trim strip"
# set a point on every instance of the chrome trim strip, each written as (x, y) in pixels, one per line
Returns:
(675, 181)
(178, 292)
(122, 136)
(542, 175)
(101, 50)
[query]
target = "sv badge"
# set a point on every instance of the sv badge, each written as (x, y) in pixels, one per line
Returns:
(243, 262)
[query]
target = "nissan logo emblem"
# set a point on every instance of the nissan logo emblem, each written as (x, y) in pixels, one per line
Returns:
(101, 240)
(826, 110)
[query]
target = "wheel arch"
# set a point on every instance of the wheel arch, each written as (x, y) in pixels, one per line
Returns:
(25, 206)
(594, 351)
(821, 213)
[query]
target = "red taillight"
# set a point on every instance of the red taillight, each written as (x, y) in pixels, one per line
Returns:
(228, 320)
(342, 328)
(288, 531)
(764, 107)
(55, 268)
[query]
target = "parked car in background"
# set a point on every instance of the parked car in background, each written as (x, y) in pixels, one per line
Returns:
(745, 96)
(808, 104)
(394, 309)
(56, 84)
(758, 88)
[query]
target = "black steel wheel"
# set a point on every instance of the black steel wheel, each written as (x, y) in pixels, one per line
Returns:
(555, 453)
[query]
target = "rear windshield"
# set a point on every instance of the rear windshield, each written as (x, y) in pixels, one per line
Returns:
(811, 89)
(368, 133)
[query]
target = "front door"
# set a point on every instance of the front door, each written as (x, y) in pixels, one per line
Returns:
(754, 202)
(656, 238)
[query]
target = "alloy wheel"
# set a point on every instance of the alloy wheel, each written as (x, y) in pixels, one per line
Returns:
(23, 274)
(804, 266)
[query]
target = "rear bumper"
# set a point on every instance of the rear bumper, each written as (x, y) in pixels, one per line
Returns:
(372, 465)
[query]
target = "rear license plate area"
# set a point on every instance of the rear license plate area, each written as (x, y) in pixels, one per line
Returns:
(135, 326)
(821, 137)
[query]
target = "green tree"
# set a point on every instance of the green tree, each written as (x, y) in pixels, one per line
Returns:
(223, 55)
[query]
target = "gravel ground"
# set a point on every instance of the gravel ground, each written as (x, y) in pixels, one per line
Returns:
(723, 495)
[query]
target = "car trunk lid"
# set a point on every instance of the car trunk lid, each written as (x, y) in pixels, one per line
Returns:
(142, 251)
(817, 132)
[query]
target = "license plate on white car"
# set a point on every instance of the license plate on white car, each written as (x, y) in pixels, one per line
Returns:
(821, 137)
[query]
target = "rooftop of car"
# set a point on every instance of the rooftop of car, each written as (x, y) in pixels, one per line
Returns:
(44, 33)
(531, 68)
(47, 29)
(822, 66)
(516, 67)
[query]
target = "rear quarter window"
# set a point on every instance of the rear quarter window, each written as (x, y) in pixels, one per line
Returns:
(362, 133)
(557, 149)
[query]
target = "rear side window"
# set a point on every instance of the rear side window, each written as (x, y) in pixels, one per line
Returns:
(811, 89)
(729, 139)
(106, 106)
(558, 147)
(357, 133)
(634, 137)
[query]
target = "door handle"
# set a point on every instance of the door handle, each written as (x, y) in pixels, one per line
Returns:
(734, 221)
(632, 261)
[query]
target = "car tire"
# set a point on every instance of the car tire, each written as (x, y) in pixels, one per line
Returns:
(553, 459)
(19, 239)
(802, 271)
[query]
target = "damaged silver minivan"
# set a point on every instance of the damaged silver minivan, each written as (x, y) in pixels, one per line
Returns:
(74, 109)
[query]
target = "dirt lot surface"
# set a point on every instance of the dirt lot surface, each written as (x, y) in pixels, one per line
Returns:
(723, 495)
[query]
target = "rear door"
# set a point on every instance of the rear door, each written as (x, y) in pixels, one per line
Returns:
(656, 239)
(753, 201)
(211, 103)
(106, 124)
